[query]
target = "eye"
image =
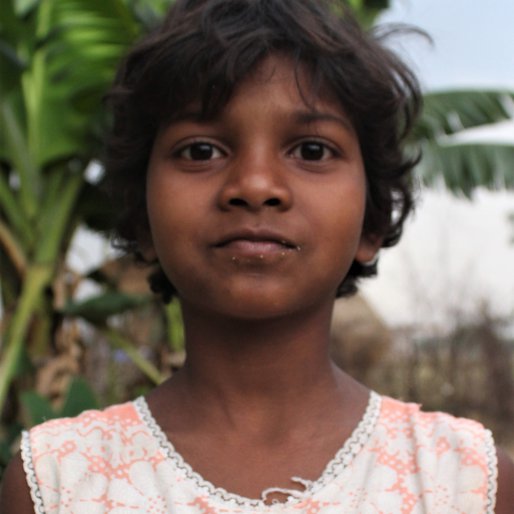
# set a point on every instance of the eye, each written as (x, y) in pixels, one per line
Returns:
(200, 151)
(312, 151)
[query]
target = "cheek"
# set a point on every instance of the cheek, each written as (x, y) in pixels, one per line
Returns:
(176, 218)
(169, 235)
(174, 251)
(168, 222)
(339, 222)
(342, 209)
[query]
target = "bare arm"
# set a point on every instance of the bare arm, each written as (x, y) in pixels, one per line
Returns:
(505, 495)
(14, 494)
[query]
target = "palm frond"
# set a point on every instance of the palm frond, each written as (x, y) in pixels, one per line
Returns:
(466, 166)
(80, 52)
(449, 112)
(463, 164)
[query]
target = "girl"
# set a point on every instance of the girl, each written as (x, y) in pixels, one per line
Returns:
(256, 152)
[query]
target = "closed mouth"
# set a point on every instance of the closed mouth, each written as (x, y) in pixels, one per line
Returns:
(257, 237)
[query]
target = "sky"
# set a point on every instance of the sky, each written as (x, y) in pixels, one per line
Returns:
(473, 41)
(457, 256)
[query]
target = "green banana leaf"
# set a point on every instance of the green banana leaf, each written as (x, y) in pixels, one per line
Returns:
(99, 308)
(464, 165)
(79, 397)
(449, 112)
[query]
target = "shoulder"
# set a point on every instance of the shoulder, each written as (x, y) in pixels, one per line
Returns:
(52, 444)
(453, 455)
(15, 494)
(505, 494)
(58, 454)
(437, 427)
(122, 415)
(86, 428)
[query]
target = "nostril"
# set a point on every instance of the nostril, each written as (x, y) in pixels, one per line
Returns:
(237, 202)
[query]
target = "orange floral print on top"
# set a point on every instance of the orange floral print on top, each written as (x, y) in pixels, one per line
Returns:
(399, 460)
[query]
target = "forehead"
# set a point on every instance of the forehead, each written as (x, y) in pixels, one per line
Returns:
(276, 80)
(281, 71)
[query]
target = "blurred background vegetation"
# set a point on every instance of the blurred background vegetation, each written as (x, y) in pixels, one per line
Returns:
(60, 355)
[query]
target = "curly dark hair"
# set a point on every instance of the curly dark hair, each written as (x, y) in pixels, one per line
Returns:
(204, 48)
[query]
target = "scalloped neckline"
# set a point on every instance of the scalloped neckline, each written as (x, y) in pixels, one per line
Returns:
(342, 459)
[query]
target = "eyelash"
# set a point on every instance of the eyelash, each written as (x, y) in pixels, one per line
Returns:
(181, 152)
(326, 149)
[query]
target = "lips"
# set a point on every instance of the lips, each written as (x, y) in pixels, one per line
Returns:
(258, 244)
(257, 237)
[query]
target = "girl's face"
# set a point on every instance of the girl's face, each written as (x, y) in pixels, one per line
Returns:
(258, 213)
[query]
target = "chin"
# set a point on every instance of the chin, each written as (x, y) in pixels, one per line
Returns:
(254, 310)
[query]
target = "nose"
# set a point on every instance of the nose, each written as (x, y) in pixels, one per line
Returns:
(256, 183)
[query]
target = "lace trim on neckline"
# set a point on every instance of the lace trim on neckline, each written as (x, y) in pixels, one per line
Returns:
(342, 459)
(492, 471)
(30, 473)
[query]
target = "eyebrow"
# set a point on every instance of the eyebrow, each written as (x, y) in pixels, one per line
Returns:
(307, 117)
(300, 117)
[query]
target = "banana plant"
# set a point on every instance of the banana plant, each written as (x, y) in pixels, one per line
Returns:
(462, 163)
(366, 11)
(57, 58)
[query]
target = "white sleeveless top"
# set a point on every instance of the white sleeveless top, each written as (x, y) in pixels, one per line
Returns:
(398, 460)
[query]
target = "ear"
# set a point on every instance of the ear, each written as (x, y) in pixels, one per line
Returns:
(369, 245)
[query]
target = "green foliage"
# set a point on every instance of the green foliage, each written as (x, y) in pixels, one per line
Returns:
(57, 60)
(175, 326)
(8, 437)
(44, 155)
(98, 309)
(464, 165)
(367, 11)
(79, 398)
(447, 112)
(38, 407)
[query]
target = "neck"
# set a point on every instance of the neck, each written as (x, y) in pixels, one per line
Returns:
(257, 354)
(241, 371)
